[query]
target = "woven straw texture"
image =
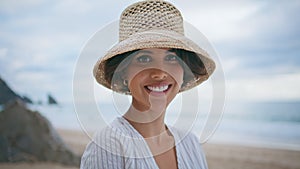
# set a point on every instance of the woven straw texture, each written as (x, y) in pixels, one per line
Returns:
(150, 15)
(152, 24)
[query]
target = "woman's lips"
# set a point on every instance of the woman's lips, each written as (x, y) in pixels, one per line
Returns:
(162, 88)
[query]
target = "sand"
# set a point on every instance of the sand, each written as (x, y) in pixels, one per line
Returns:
(222, 156)
(219, 156)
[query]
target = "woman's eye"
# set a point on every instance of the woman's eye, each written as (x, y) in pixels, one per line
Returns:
(144, 59)
(171, 58)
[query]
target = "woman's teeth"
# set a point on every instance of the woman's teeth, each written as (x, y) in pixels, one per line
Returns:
(158, 88)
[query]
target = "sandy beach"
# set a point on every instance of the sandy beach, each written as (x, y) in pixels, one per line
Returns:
(219, 156)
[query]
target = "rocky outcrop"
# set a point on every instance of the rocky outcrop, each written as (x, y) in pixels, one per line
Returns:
(26, 135)
(6, 94)
(51, 100)
(26, 99)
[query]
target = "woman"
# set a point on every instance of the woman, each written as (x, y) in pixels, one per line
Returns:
(152, 62)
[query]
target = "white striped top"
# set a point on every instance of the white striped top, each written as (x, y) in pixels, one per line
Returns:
(120, 146)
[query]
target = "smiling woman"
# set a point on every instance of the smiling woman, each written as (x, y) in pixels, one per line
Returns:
(153, 62)
(115, 67)
(153, 73)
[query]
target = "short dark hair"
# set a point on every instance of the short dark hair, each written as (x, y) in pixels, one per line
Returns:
(191, 63)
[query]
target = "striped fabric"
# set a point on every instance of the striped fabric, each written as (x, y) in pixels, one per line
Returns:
(120, 146)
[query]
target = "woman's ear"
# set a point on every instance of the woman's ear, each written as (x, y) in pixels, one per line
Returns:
(124, 78)
(125, 82)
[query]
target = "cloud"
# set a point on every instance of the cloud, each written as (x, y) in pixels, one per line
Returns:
(218, 20)
(262, 38)
(41, 40)
(277, 87)
(13, 7)
(3, 53)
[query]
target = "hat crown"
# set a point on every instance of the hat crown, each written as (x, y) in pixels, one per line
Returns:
(147, 15)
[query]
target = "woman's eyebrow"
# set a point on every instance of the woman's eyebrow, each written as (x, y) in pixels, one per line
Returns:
(145, 51)
(150, 52)
(170, 52)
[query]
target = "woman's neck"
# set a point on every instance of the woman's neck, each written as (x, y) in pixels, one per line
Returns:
(153, 129)
(148, 123)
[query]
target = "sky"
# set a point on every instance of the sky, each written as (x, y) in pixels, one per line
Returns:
(257, 43)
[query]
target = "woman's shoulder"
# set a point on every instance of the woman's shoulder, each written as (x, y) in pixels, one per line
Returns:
(119, 134)
(113, 131)
(119, 138)
(110, 139)
(183, 134)
(118, 125)
(105, 150)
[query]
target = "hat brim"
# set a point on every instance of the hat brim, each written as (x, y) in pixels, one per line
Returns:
(155, 39)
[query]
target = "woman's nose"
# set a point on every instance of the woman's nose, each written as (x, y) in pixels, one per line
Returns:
(157, 74)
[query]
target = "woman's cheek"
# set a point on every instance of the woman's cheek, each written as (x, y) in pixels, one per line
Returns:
(177, 75)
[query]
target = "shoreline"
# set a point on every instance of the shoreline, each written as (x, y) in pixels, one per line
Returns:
(247, 143)
(257, 144)
(218, 155)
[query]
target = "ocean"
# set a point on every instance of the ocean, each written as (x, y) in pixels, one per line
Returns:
(259, 124)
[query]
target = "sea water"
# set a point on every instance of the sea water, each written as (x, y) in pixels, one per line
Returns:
(264, 124)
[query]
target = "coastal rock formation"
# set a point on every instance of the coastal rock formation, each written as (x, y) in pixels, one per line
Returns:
(6, 93)
(26, 99)
(51, 100)
(26, 135)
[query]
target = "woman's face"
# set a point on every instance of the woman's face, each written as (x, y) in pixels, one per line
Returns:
(154, 78)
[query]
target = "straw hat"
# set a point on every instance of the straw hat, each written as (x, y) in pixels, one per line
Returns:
(152, 24)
